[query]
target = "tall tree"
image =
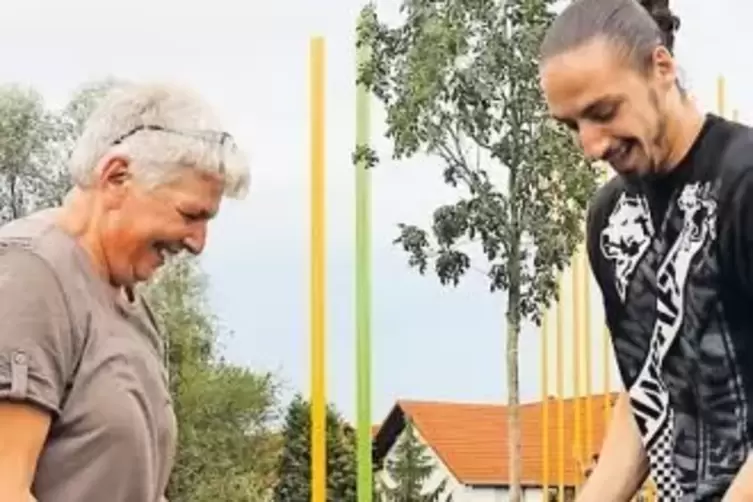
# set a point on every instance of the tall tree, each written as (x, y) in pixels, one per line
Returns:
(408, 470)
(27, 132)
(294, 469)
(459, 81)
(36, 144)
(226, 446)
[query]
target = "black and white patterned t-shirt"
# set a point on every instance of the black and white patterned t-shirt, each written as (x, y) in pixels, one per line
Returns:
(674, 260)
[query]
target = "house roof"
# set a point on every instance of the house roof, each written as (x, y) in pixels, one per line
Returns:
(472, 439)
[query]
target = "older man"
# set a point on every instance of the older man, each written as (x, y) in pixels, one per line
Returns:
(85, 411)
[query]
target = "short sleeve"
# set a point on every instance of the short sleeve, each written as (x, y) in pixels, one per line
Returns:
(596, 219)
(36, 342)
(592, 235)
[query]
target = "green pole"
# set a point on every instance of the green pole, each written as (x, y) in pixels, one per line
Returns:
(363, 293)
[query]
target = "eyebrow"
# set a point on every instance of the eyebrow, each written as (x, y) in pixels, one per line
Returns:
(590, 109)
(202, 214)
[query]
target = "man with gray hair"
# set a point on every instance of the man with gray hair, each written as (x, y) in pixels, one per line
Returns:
(670, 242)
(85, 410)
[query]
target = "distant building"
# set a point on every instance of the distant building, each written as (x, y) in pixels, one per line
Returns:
(469, 444)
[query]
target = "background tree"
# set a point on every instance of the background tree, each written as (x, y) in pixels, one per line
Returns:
(409, 470)
(28, 133)
(227, 448)
(294, 468)
(459, 81)
(36, 145)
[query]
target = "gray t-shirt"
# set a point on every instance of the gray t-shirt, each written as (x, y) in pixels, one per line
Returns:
(95, 362)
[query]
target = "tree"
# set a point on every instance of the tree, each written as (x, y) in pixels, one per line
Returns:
(227, 449)
(36, 145)
(294, 468)
(27, 131)
(459, 81)
(408, 472)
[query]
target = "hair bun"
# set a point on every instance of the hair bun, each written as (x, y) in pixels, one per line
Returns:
(668, 23)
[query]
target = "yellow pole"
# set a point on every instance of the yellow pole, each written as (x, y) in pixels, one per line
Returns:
(650, 491)
(318, 263)
(560, 394)
(545, 428)
(606, 352)
(588, 344)
(577, 309)
(721, 95)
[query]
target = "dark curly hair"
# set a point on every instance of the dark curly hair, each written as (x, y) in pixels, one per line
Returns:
(635, 26)
(667, 22)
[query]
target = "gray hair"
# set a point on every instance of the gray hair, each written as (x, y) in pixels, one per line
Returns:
(637, 28)
(164, 129)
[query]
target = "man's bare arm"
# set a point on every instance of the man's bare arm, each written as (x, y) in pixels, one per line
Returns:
(622, 465)
(742, 487)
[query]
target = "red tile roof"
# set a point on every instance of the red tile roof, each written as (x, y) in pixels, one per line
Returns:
(472, 439)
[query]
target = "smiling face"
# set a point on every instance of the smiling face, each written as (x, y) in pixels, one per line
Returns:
(140, 227)
(617, 111)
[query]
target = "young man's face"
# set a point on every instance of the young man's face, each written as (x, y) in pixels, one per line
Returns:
(617, 112)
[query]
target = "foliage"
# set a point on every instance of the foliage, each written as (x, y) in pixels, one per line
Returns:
(36, 145)
(409, 471)
(28, 132)
(294, 468)
(459, 82)
(227, 447)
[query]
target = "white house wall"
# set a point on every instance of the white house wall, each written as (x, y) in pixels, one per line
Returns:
(440, 472)
(459, 492)
(483, 494)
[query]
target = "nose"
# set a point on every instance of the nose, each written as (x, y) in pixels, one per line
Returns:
(196, 239)
(593, 141)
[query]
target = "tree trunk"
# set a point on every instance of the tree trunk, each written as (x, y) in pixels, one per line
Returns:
(15, 209)
(513, 384)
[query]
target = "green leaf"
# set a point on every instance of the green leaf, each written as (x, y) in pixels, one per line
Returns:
(459, 82)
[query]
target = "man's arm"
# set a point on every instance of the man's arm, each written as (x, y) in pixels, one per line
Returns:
(742, 487)
(623, 466)
(35, 360)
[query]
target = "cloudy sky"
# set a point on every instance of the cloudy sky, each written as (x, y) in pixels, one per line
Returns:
(250, 60)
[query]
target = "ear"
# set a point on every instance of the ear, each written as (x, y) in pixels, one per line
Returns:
(114, 179)
(665, 67)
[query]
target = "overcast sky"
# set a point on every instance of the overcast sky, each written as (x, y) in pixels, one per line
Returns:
(250, 60)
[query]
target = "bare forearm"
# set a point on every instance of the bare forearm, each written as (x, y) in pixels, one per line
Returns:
(13, 487)
(742, 487)
(622, 465)
(15, 493)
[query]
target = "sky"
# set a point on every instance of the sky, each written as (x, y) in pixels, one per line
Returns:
(249, 59)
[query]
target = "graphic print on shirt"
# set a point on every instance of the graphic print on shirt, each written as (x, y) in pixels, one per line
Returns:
(626, 238)
(648, 394)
